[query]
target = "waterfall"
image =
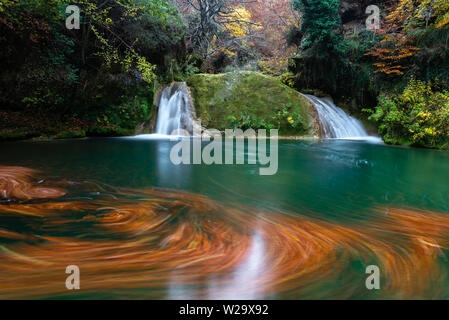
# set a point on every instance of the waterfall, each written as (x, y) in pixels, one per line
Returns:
(174, 110)
(335, 123)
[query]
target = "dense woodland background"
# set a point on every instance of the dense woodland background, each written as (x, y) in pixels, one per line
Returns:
(100, 80)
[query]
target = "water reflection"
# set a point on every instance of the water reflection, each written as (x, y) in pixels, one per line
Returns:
(245, 281)
(168, 174)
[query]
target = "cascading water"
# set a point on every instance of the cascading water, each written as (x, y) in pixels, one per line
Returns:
(174, 111)
(337, 124)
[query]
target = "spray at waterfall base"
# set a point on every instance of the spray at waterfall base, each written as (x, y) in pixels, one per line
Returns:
(193, 150)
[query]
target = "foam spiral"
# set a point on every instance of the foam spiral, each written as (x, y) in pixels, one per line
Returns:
(159, 243)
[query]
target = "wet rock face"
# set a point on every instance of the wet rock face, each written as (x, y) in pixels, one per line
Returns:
(354, 10)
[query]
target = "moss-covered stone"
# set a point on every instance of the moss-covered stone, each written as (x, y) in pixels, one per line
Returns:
(223, 98)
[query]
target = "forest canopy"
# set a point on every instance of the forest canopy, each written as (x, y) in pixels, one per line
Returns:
(100, 79)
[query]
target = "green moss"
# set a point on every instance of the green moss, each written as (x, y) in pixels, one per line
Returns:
(248, 95)
(444, 146)
(99, 131)
(18, 135)
(71, 134)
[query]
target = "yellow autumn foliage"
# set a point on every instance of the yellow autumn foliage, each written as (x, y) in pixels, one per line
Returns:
(439, 9)
(411, 10)
(237, 24)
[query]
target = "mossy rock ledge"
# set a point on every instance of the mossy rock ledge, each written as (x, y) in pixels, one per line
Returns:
(221, 98)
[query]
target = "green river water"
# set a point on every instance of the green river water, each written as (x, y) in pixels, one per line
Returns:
(352, 203)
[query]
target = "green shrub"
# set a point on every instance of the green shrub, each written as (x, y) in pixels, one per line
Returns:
(418, 116)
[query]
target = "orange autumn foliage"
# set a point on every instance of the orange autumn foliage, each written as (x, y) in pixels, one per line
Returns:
(397, 44)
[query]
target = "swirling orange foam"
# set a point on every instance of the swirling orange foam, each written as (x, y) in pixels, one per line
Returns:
(15, 183)
(159, 243)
